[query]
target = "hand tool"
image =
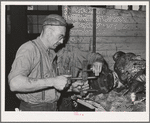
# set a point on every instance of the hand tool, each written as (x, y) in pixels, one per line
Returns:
(84, 77)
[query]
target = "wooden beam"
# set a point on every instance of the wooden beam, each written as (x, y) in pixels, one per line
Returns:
(94, 30)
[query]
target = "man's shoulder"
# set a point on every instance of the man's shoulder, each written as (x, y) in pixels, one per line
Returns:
(26, 46)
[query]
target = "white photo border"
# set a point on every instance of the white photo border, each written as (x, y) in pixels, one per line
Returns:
(7, 116)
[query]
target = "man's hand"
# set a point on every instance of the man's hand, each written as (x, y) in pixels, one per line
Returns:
(97, 68)
(60, 82)
(78, 86)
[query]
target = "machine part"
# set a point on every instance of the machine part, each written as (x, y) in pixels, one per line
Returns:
(79, 78)
(85, 104)
(117, 83)
(129, 67)
(91, 104)
(136, 102)
(91, 90)
(84, 78)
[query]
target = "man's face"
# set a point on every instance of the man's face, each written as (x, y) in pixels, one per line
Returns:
(58, 35)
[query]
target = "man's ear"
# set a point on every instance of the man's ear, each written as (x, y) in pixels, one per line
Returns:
(49, 31)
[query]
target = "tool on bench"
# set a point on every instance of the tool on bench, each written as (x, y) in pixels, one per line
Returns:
(80, 99)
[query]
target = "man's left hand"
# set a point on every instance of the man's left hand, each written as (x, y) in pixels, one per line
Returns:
(79, 86)
(97, 68)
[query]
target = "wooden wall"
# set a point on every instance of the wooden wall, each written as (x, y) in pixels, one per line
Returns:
(115, 30)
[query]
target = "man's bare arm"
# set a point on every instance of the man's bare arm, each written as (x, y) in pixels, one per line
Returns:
(25, 84)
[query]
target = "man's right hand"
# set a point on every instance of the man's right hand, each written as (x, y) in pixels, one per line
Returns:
(60, 82)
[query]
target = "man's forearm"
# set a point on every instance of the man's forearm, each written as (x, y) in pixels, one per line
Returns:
(27, 84)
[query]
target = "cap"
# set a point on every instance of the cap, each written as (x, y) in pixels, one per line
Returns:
(54, 20)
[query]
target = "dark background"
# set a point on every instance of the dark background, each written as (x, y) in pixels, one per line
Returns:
(15, 37)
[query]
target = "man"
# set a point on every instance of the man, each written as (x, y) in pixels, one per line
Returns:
(36, 71)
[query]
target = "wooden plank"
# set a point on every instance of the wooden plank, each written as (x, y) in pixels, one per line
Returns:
(119, 26)
(107, 33)
(116, 40)
(117, 12)
(103, 11)
(121, 46)
(81, 32)
(84, 14)
(80, 17)
(106, 40)
(111, 43)
(81, 9)
(121, 19)
(120, 33)
(109, 29)
(83, 25)
(105, 18)
(111, 26)
(82, 47)
(81, 40)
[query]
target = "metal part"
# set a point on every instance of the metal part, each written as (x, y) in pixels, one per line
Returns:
(84, 77)
(91, 90)
(85, 104)
(91, 104)
(76, 78)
